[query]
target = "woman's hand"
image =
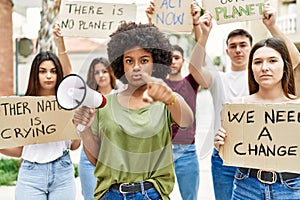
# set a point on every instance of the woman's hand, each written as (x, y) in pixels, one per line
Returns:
(57, 36)
(150, 11)
(219, 138)
(157, 90)
(84, 116)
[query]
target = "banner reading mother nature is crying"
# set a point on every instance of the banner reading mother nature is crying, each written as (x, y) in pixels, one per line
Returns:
(33, 120)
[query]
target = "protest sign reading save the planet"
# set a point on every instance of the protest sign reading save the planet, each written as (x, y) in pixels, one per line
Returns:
(227, 11)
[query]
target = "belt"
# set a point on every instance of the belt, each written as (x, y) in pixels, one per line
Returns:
(125, 188)
(268, 177)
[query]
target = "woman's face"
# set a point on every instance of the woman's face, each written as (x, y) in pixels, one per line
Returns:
(137, 61)
(101, 75)
(267, 66)
(47, 76)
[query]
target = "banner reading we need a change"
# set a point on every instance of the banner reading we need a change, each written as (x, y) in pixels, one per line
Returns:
(93, 19)
(262, 136)
(34, 120)
(227, 11)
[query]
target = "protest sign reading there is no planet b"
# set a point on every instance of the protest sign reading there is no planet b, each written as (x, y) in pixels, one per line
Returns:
(93, 19)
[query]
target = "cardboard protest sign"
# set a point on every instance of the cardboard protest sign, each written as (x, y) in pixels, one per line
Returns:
(173, 15)
(262, 136)
(227, 11)
(34, 120)
(93, 19)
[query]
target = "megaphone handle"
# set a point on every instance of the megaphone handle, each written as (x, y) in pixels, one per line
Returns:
(80, 127)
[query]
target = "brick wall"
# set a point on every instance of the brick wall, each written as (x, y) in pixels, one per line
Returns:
(6, 49)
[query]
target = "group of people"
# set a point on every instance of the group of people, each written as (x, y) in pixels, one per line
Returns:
(145, 135)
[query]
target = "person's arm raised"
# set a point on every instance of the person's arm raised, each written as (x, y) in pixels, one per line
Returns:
(62, 51)
(150, 11)
(202, 28)
(269, 20)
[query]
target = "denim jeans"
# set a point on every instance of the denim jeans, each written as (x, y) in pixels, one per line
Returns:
(87, 178)
(150, 194)
(223, 177)
(249, 188)
(187, 170)
(47, 181)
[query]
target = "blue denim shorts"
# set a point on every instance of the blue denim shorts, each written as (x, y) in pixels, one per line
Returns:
(52, 180)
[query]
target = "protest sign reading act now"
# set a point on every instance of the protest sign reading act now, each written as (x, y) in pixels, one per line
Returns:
(227, 11)
(262, 136)
(33, 120)
(173, 15)
(93, 19)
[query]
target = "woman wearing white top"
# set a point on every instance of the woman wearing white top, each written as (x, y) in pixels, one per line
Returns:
(46, 171)
(271, 80)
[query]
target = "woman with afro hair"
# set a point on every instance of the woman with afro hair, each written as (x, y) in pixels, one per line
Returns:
(129, 140)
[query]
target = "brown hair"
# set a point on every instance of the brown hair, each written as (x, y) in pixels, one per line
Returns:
(34, 86)
(287, 81)
(91, 82)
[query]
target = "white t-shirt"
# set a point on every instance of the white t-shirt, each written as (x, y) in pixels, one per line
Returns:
(224, 88)
(47, 152)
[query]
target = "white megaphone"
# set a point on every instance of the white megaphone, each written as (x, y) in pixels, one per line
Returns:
(73, 92)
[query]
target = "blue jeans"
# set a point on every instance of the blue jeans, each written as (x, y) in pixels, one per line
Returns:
(246, 187)
(87, 178)
(187, 170)
(223, 177)
(47, 181)
(150, 194)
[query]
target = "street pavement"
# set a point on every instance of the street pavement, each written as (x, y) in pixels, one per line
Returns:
(204, 142)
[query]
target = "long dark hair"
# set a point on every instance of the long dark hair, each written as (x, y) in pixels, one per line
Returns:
(33, 82)
(287, 81)
(91, 82)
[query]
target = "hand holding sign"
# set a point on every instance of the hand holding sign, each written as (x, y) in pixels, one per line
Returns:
(269, 14)
(219, 139)
(195, 12)
(150, 11)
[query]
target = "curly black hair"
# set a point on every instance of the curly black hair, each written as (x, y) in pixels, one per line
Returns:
(146, 36)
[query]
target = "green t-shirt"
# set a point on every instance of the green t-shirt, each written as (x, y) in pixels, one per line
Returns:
(135, 146)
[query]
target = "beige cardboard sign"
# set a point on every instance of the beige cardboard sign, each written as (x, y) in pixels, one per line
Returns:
(93, 19)
(173, 16)
(262, 136)
(227, 11)
(34, 120)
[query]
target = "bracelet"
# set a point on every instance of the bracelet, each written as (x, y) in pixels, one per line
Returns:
(172, 102)
(196, 24)
(62, 53)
